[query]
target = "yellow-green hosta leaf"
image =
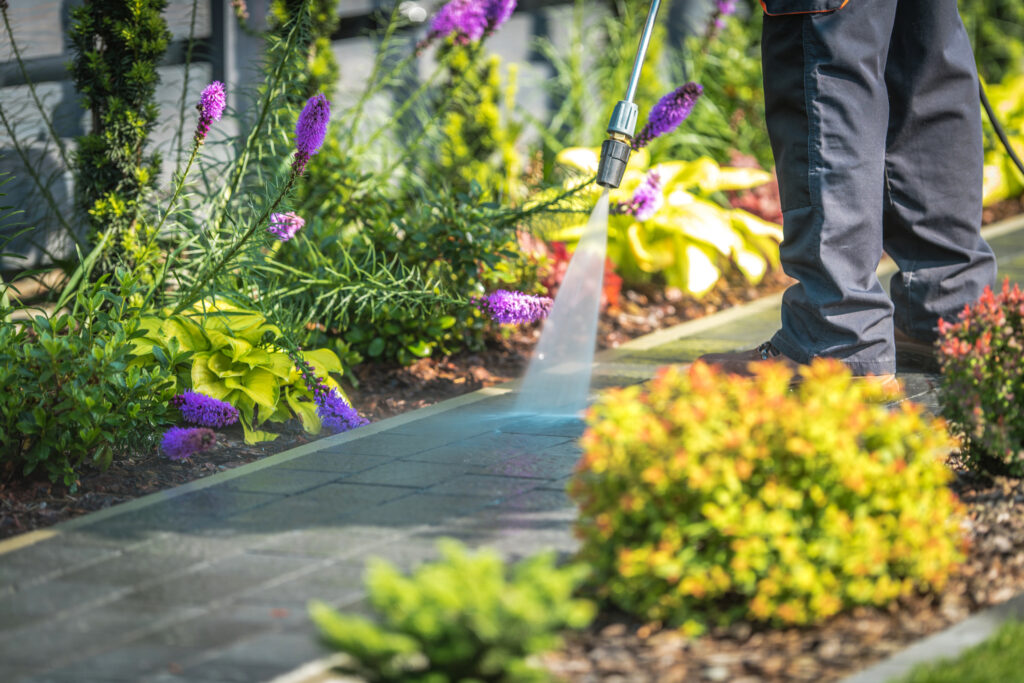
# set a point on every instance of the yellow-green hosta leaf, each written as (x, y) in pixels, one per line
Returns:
(751, 264)
(701, 174)
(733, 178)
(280, 365)
(699, 219)
(306, 410)
(650, 257)
(205, 380)
(220, 365)
(582, 159)
(323, 361)
(586, 159)
(261, 386)
(142, 346)
(754, 225)
(189, 335)
(701, 272)
(706, 176)
(257, 358)
(235, 347)
(997, 184)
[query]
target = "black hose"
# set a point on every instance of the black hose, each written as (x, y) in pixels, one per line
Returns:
(999, 128)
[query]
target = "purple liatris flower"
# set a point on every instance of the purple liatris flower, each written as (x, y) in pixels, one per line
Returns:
(498, 12)
(310, 130)
(205, 411)
(670, 111)
(723, 8)
(726, 7)
(337, 415)
(647, 198)
(507, 307)
(285, 225)
(465, 20)
(182, 442)
(211, 107)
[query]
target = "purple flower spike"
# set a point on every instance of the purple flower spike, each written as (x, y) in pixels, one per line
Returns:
(726, 7)
(670, 111)
(336, 415)
(180, 443)
(285, 225)
(498, 12)
(310, 131)
(647, 198)
(507, 307)
(466, 20)
(205, 411)
(211, 107)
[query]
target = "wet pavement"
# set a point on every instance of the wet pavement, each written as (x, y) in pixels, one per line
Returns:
(209, 582)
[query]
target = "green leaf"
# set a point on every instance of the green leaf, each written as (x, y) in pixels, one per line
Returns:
(422, 348)
(375, 348)
(262, 387)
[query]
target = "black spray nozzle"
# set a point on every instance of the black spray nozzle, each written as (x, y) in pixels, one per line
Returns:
(614, 157)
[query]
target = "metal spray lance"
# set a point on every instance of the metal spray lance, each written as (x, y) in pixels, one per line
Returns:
(615, 150)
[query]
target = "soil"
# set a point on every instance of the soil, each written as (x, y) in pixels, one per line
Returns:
(381, 391)
(618, 648)
(615, 647)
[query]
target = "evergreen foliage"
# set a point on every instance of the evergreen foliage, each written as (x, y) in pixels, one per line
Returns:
(117, 46)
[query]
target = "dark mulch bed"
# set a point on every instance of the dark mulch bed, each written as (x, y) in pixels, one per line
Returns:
(618, 648)
(382, 391)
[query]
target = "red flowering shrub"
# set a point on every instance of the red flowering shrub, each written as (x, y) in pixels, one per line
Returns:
(708, 498)
(559, 263)
(982, 361)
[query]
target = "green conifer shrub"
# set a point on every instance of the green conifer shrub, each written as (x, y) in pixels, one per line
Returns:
(117, 46)
(983, 380)
(466, 617)
(707, 498)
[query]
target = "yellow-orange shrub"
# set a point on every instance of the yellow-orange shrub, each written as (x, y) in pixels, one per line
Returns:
(707, 498)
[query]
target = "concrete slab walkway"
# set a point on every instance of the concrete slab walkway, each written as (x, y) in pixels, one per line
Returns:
(208, 582)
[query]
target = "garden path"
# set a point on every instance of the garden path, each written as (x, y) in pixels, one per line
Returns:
(209, 582)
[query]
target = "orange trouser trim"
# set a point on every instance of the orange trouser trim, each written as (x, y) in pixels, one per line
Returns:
(782, 14)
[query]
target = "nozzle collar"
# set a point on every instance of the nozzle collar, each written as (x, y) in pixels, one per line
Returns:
(614, 157)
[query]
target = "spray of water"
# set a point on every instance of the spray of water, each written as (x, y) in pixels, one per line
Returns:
(558, 379)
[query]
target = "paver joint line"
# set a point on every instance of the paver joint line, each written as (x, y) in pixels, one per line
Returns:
(476, 482)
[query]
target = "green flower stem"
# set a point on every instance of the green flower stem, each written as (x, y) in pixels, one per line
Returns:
(32, 90)
(231, 188)
(212, 272)
(163, 219)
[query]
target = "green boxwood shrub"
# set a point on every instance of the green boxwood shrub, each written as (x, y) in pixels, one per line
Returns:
(708, 498)
(983, 380)
(71, 393)
(463, 618)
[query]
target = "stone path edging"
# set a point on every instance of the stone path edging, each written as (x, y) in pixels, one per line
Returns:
(208, 582)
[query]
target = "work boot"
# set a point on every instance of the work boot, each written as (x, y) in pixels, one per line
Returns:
(914, 354)
(738, 363)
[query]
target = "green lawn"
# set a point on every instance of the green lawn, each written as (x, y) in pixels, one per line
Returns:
(1000, 659)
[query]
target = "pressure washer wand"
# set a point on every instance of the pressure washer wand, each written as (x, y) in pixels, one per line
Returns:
(615, 150)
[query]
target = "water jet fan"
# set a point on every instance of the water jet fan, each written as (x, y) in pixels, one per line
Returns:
(557, 381)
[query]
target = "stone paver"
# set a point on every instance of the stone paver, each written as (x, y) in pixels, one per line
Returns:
(209, 583)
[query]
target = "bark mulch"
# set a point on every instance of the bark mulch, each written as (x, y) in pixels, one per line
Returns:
(382, 391)
(617, 648)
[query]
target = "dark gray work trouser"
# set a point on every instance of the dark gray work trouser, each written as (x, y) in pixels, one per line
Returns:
(874, 120)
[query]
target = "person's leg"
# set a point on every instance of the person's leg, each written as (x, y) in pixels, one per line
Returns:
(933, 169)
(827, 115)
